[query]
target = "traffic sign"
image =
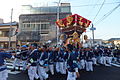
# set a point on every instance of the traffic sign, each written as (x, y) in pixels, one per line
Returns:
(93, 28)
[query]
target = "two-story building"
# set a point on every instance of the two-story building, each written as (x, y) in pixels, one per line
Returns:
(5, 32)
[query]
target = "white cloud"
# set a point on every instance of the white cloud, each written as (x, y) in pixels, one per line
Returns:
(7, 5)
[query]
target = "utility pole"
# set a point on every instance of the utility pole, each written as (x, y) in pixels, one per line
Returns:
(58, 17)
(10, 33)
(93, 34)
(40, 33)
(92, 29)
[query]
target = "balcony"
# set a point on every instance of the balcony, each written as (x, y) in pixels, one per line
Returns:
(5, 39)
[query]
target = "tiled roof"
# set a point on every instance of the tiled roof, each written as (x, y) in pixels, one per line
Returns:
(8, 24)
(111, 39)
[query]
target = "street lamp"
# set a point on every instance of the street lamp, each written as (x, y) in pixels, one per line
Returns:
(58, 14)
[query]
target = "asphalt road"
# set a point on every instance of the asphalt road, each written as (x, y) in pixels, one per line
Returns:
(99, 73)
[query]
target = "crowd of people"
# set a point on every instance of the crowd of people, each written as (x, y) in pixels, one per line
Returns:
(38, 60)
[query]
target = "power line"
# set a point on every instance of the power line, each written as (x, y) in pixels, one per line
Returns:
(95, 4)
(107, 14)
(88, 7)
(103, 35)
(93, 7)
(99, 10)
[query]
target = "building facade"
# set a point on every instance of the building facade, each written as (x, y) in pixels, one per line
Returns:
(37, 24)
(1, 21)
(115, 42)
(97, 42)
(4, 34)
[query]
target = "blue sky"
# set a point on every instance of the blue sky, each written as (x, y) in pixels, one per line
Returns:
(107, 28)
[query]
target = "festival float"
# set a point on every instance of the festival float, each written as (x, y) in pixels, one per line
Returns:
(71, 28)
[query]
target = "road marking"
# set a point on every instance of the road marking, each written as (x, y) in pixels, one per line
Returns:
(115, 65)
(10, 66)
(107, 65)
(14, 72)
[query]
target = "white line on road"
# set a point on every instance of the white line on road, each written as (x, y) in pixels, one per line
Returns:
(115, 65)
(15, 72)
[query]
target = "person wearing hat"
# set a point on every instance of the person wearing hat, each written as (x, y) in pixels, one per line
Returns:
(17, 58)
(82, 59)
(24, 56)
(51, 58)
(102, 59)
(57, 63)
(3, 67)
(72, 65)
(110, 56)
(43, 64)
(95, 56)
(32, 62)
(89, 61)
(61, 61)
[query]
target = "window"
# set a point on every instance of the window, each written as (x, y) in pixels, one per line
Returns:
(36, 26)
(44, 26)
(65, 9)
(28, 25)
(4, 34)
(32, 26)
(24, 25)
